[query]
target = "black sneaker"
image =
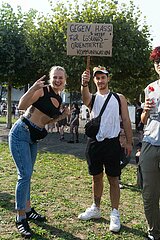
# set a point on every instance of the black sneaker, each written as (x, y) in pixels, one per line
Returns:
(33, 215)
(23, 228)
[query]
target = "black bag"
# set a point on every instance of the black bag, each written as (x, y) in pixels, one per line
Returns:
(92, 126)
(35, 133)
(124, 158)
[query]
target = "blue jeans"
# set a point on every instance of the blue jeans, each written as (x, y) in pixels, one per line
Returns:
(24, 153)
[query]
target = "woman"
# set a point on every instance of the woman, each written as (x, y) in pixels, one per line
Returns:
(62, 123)
(42, 106)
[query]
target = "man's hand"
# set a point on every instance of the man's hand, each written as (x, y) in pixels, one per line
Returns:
(85, 77)
(128, 149)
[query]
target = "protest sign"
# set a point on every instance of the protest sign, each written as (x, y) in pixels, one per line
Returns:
(85, 39)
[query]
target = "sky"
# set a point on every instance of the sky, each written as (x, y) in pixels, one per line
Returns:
(150, 9)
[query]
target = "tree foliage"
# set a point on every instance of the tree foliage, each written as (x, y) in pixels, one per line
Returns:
(30, 43)
(14, 52)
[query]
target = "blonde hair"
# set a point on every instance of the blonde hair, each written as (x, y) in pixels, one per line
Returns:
(57, 68)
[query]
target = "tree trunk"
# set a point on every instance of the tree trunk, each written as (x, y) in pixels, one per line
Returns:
(9, 113)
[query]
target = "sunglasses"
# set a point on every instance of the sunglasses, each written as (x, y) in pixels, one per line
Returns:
(157, 62)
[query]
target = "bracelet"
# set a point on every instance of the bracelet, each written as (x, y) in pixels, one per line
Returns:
(84, 85)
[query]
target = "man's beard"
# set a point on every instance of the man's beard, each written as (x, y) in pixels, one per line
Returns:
(102, 87)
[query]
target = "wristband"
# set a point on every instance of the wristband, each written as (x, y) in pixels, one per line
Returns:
(84, 85)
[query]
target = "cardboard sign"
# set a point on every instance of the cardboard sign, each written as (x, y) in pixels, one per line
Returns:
(85, 39)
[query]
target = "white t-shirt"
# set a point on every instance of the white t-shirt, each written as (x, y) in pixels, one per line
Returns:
(152, 129)
(110, 120)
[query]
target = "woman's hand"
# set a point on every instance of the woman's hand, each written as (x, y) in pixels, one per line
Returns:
(66, 111)
(40, 83)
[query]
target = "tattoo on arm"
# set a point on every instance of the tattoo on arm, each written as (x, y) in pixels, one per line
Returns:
(31, 110)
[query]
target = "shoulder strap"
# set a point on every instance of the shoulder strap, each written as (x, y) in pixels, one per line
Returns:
(92, 101)
(115, 95)
(45, 90)
(119, 101)
(105, 104)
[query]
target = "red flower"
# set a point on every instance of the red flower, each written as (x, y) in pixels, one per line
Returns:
(151, 89)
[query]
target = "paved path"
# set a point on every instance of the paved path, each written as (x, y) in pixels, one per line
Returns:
(53, 144)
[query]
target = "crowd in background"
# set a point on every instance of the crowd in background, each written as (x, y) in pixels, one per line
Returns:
(82, 114)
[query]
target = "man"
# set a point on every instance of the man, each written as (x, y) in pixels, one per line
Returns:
(104, 152)
(149, 161)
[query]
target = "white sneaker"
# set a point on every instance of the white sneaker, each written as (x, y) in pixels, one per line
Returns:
(92, 212)
(114, 221)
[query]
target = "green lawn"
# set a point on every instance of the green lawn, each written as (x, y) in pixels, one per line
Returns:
(61, 189)
(3, 119)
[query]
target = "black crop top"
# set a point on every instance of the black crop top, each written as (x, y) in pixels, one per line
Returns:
(45, 105)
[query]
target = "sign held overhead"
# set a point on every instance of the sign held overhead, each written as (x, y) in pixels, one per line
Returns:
(85, 39)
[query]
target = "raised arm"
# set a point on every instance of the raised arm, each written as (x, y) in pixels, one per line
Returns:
(126, 124)
(32, 95)
(86, 95)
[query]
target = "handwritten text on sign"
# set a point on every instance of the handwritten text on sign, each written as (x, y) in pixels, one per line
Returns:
(89, 39)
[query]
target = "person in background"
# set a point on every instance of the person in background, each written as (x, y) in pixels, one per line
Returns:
(74, 123)
(149, 161)
(104, 151)
(62, 123)
(42, 106)
(13, 110)
(139, 111)
(138, 122)
(16, 111)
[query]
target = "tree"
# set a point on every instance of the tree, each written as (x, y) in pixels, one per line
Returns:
(131, 43)
(14, 54)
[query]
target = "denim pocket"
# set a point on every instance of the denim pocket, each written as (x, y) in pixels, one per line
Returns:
(20, 132)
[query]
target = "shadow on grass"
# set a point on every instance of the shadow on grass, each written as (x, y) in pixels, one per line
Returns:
(6, 201)
(136, 232)
(55, 232)
(133, 188)
(53, 144)
(124, 228)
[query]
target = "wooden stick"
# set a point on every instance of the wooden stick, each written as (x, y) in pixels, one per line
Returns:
(88, 62)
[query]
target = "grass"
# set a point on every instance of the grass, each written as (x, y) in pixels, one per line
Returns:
(61, 189)
(3, 119)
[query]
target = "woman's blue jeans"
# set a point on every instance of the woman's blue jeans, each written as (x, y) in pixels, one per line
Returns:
(24, 153)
